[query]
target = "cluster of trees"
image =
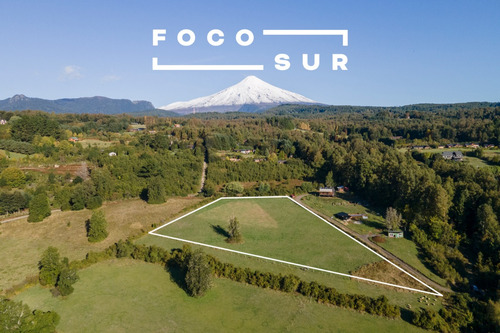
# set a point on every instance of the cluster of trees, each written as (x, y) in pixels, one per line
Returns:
(18, 317)
(57, 272)
(17, 146)
(222, 171)
(13, 201)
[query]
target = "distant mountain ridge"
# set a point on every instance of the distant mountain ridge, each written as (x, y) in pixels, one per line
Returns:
(250, 95)
(95, 104)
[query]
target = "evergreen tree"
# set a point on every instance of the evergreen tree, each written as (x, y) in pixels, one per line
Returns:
(392, 219)
(234, 231)
(67, 277)
(96, 227)
(50, 266)
(329, 180)
(156, 191)
(199, 274)
(39, 207)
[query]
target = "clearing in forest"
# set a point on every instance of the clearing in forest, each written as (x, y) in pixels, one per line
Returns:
(281, 230)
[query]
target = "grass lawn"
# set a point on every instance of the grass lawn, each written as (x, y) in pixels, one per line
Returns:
(276, 228)
(132, 296)
(22, 243)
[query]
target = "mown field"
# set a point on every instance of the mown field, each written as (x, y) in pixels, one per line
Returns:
(132, 296)
(22, 243)
(277, 228)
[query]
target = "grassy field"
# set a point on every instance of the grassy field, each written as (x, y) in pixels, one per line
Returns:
(96, 143)
(131, 296)
(12, 155)
(407, 251)
(22, 243)
(342, 284)
(403, 248)
(331, 206)
(276, 228)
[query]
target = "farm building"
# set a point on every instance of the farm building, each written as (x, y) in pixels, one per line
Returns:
(395, 234)
(453, 155)
(326, 192)
(342, 216)
(358, 216)
(73, 139)
(244, 151)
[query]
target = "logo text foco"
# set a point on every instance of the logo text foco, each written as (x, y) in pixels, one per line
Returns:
(245, 38)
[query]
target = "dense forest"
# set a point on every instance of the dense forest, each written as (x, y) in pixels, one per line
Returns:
(450, 209)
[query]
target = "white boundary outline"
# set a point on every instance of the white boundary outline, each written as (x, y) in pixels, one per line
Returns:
(343, 33)
(153, 232)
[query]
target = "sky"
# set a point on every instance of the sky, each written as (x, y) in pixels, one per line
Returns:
(399, 52)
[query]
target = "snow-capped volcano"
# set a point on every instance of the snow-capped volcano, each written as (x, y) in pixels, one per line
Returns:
(250, 95)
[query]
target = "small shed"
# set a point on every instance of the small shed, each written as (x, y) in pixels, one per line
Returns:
(342, 216)
(326, 192)
(395, 234)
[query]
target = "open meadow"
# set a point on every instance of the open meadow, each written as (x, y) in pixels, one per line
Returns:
(22, 243)
(124, 295)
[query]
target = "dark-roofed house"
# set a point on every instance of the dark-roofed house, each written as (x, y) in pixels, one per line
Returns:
(342, 216)
(453, 155)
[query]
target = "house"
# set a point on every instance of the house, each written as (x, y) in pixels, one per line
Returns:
(112, 154)
(3, 122)
(453, 155)
(440, 147)
(258, 160)
(471, 145)
(177, 125)
(342, 189)
(421, 147)
(73, 139)
(326, 192)
(342, 216)
(244, 151)
(395, 234)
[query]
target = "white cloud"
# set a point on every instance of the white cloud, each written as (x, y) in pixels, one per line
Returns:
(71, 72)
(110, 77)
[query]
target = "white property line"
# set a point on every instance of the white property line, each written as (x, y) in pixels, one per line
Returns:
(153, 232)
(343, 33)
(157, 67)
